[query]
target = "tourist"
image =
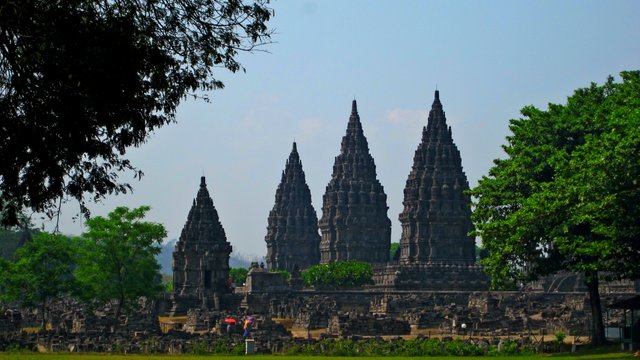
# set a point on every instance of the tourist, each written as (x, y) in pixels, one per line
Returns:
(248, 324)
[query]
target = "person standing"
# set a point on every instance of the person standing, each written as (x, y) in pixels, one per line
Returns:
(248, 324)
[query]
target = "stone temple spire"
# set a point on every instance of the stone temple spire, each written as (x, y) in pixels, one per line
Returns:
(292, 229)
(436, 218)
(354, 221)
(201, 256)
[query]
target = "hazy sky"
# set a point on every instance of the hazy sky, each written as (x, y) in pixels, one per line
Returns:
(487, 58)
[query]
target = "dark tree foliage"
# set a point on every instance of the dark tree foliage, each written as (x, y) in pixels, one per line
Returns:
(566, 197)
(81, 81)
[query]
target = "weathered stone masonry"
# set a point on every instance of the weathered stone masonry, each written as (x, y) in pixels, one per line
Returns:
(292, 231)
(201, 258)
(354, 221)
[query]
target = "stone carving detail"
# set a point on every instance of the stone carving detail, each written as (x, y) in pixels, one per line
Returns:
(436, 218)
(292, 231)
(201, 258)
(354, 221)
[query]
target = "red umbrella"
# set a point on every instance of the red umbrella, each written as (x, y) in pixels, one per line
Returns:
(230, 321)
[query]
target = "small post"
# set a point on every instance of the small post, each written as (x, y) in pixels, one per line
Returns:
(249, 346)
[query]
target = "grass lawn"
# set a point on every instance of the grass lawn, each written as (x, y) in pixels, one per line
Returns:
(62, 356)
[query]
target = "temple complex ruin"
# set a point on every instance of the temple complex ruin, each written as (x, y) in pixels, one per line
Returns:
(354, 222)
(434, 286)
(292, 231)
(201, 258)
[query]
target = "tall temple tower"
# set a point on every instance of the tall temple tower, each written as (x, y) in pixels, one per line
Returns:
(436, 219)
(292, 229)
(201, 257)
(436, 251)
(354, 221)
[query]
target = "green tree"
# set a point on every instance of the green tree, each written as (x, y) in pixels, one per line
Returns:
(119, 261)
(339, 274)
(81, 81)
(238, 275)
(394, 251)
(566, 196)
(11, 240)
(43, 270)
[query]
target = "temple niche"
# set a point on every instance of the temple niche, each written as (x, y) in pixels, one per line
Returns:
(436, 250)
(292, 230)
(201, 258)
(354, 223)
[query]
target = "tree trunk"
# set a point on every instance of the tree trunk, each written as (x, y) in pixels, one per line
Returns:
(597, 325)
(116, 320)
(43, 308)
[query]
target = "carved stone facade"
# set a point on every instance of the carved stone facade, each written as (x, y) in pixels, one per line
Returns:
(292, 230)
(436, 250)
(201, 258)
(436, 219)
(354, 221)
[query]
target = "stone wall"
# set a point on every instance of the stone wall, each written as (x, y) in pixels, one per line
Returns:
(432, 276)
(345, 313)
(343, 324)
(482, 312)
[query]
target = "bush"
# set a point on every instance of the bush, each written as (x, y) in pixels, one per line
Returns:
(509, 347)
(399, 347)
(560, 336)
(285, 274)
(339, 274)
(238, 275)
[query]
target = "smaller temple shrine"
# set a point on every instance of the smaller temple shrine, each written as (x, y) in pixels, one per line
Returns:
(292, 231)
(201, 258)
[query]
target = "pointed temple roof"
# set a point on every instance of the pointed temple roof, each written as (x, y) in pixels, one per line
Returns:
(203, 224)
(354, 162)
(354, 223)
(292, 231)
(436, 218)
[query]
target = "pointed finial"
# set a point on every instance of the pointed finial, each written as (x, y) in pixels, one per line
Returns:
(437, 94)
(354, 107)
(202, 182)
(295, 147)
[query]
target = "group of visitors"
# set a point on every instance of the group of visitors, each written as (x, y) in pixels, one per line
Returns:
(247, 325)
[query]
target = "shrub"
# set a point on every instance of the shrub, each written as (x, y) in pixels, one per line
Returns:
(339, 274)
(199, 347)
(462, 348)
(509, 347)
(285, 274)
(238, 275)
